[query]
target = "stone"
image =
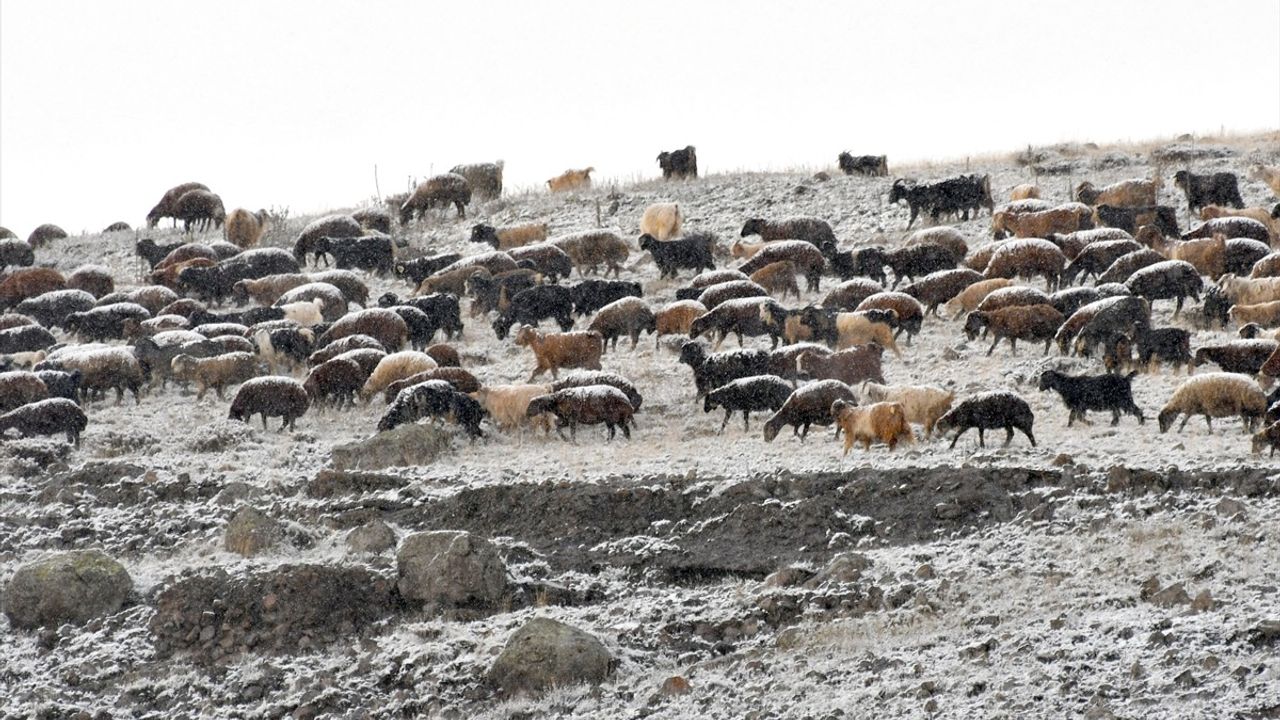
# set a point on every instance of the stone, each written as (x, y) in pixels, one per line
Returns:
(72, 587)
(1175, 594)
(372, 537)
(675, 685)
(546, 653)
(1203, 601)
(451, 568)
(843, 568)
(1228, 507)
(410, 444)
(250, 532)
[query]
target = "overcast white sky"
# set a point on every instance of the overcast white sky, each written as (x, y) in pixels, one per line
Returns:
(105, 104)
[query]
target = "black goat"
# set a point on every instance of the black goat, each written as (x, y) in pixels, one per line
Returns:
(1082, 393)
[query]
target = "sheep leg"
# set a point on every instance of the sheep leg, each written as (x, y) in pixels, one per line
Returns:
(746, 421)
(264, 422)
(982, 441)
(626, 430)
(993, 346)
(1028, 434)
(727, 414)
(1008, 436)
(957, 437)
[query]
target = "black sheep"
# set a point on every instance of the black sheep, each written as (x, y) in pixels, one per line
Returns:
(874, 165)
(419, 269)
(105, 322)
(866, 262)
(148, 250)
(538, 303)
(1237, 356)
(1082, 393)
(489, 291)
(215, 283)
(1168, 280)
(584, 378)
(1221, 188)
(25, 338)
(758, 392)
(61, 384)
(1162, 217)
(712, 371)
(1169, 345)
(47, 417)
(1216, 308)
(988, 411)
(1241, 255)
(916, 261)
(52, 308)
(1126, 315)
(1069, 301)
(1095, 258)
(589, 296)
(372, 252)
(681, 164)
(808, 405)
(422, 327)
(442, 308)
(692, 252)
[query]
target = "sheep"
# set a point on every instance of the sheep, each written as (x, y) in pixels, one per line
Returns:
(1161, 218)
(1082, 393)
(1268, 175)
(489, 293)
(923, 404)
(285, 347)
(393, 367)
(105, 322)
(156, 353)
(374, 219)
(28, 283)
(446, 189)
(681, 164)
(61, 384)
(1167, 280)
(217, 372)
(1093, 323)
(1269, 217)
(590, 405)
(915, 261)
(980, 258)
(744, 250)
(312, 237)
(704, 280)
(865, 262)
(101, 368)
(1027, 258)
(441, 309)
(1265, 314)
(591, 295)
(244, 228)
(45, 233)
(809, 229)
(200, 208)
(334, 382)
(326, 297)
(338, 347)
(874, 165)
(756, 392)
(1237, 356)
(676, 318)
(1032, 323)
(784, 361)
(47, 417)
(16, 253)
(419, 269)
(1126, 265)
(1249, 291)
(1024, 192)
(25, 338)
(433, 398)
(485, 179)
(1062, 219)
(744, 317)
(52, 308)
(546, 258)
(1072, 299)
(304, 313)
(218, 329)
(165, 208)
(808, 405)
(909, 311)
(732, 290)
(969, 298)
(1126, 193)
(661, 221)
(461, 380)
(989, 411)
(366, 358)
(215, 283)
(946, 236)
(381, 324)
(856, 328)
(584, 378)
(93, 279)
(1232, 227)
(883, 421)
(538, 303)
(507, 405)
(712, 371)
(571, 180)
(19, 387)
(778, 277)
(1095, 258)
(375, 253)
(1215, 395)
(557, 351)
(184, 253)
(592, 248)
(1072, 244)
(940, 287)
(850, 366)
(11, 320)
(808, 260)
(270, 397)
(450, 280)
(1243, 255)
(692, 252)
(849, 294)
(1268, 436)
(1220, 188)
(625, 316)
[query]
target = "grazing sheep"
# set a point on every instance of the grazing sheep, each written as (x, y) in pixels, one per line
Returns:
(484, 179)
(381, 324)
(433, 399)
(909, 311)
(1268, 175)
(592, 248)
(1243, 255)
(989, 411)
(778, 277)
(1215, 395)
(105, 322)
(270, 397)
(335, 382)
(509, 236)
(45, 233)
(16, 253)
(28, 283)
(915, 261)
(47, 417)
(1028, 258)
(626, 316)
(680, 164)
(217, 372)
(923, 404)
(940, 287)
(24, 339)
(808, 405)
(19, 387)
(446, 189)
(1126, 265)
(1220, 188)
(1062, 219)
(1231, 227)
(544, 258)
(806, 258)
(1072, 299)
(590, 405)
(571, 180)
(1032, 323)
(756, 392)
(661, 221)
(557, 351)
(1097, 321)
(1126, 193)
(393, 367)
(243, 228)
(809, 229)
(166, 207)
(873, 165)
(1237, 356)
(461, 380)
(101, 369)
(1082, 393)
(850, 366)
(1095, 258)
(508, 405)
(693, 252)
(532, 306)
(1024, 192)
(200, 208)
(712, 371)
(1168, 280)
(1072, 244)
(676, 318)
(312, 238)
(883, 421)
(1267, 314)
(969, 299)
(1268, 436)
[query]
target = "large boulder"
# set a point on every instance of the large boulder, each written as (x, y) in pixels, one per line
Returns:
(72, 587)
(373, 537)
(408, 445)
(250, 532)
(451, 569)
(546, 653)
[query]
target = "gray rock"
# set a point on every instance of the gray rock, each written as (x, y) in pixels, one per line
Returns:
(411, 444)
(250, 532)
(72, 587)
(546, 653)
(374, 537)
(451, 568)
(843, 568)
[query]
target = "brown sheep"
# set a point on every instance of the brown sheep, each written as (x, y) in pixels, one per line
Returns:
(165, 208)
(266, 290)
(270, 397)
(444, 355)
(450, 281)
(1126, 193)
(910, 311)
(18, 387)
(1215, 394)
(732, 290)
(944, 235)
(1024, 192)
(940, 287)
(555, 351)
(335, 382)
(381, 324)
(778, 278)
(28, 283)
(571, 180)
(1263, 215)
(627, 316)
(185, 252)
(199, 208)
(1266, 267)
(808, 405)
(969, 298)
(93, 279)
(312, 239)
(446, 189)
(590, 405)
(850, 293)
(704, 280)
(980, 258)
(1032, 323)
(1266, 314)
(217, 372)
(883, 421)
(676, 318)
(460, 379)
(850, 366)
(807, 258)
(1027, 258)
(168, 275)
(593, 248)
(510, 236)
(44, 234)
(243, 228)
(1207, 255)
(1061, 219)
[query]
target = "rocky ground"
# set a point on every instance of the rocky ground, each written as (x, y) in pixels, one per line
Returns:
(1109, 572)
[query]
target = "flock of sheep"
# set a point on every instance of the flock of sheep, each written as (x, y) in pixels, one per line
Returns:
(229, 314)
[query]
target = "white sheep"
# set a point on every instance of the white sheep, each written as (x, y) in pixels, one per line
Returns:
(924, 404)
(1218, 394)
(393, 367)
(662, 220)
(216, 372)
(507, 404)
(1249, 291)
(970, 297)
(857, 329)
(307, 313)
